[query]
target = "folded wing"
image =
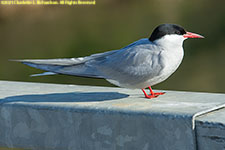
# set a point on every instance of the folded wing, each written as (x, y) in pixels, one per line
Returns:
(69, 66)
(131, 65)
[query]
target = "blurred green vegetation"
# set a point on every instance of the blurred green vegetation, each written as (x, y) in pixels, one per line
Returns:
(74, 31)
(4, 148)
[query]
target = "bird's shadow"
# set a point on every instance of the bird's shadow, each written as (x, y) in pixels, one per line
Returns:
(66, 97)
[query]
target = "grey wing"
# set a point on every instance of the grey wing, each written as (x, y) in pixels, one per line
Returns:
(132, 65)
(71, 66)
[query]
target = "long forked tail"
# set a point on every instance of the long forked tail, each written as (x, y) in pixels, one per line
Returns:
(73, 66)
(43, 74)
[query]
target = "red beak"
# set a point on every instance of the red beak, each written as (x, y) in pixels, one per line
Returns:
(192, 35)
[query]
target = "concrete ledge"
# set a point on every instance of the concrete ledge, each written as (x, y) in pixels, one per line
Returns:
(52, 116)
(211, 130)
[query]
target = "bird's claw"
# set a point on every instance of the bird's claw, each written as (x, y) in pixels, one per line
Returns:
(151, 96)
(160, 93)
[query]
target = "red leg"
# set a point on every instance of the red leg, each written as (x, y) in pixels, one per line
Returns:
(150, 89)
(156, 94)
(149, 96)
(152, 94)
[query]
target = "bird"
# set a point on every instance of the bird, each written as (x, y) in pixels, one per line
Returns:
(141, 64)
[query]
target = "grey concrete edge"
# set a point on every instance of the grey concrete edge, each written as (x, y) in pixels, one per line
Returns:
(200, 114)
(205, 112)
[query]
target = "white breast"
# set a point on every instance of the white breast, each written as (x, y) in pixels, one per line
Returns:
(171, 57)
(168, 54)
(171, 61)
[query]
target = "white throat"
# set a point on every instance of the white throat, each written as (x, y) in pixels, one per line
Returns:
(170, 41)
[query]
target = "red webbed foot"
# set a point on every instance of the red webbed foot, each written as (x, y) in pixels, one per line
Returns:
(149, 96)
(152, 94)
(160, 93)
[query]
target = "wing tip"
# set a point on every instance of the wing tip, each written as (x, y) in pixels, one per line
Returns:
(19, 60)
(16, 60)
(43, 74)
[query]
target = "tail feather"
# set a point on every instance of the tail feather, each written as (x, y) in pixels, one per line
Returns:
(61, 62)
(43, 74)
(63, 67)
(83, 66)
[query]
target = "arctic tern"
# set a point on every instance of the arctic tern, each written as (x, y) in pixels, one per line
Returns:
(139, 65)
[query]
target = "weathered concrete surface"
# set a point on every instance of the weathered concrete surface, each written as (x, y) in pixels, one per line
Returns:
(211, 130)
(51, 116)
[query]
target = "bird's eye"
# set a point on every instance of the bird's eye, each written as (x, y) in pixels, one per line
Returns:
(177, 32)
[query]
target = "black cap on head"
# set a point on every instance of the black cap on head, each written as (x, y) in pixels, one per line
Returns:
(165, 29)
